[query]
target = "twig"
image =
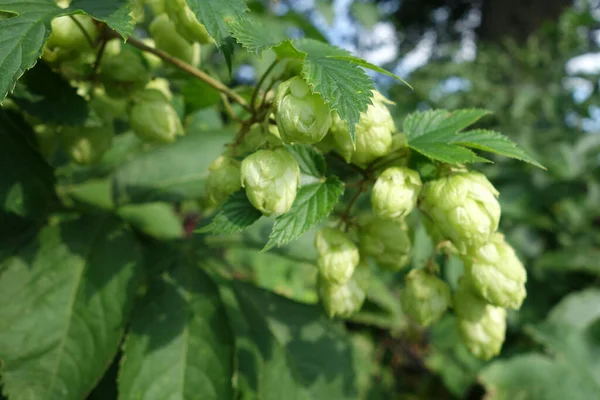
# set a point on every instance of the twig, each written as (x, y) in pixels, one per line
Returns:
(229, 109)
(189, 69)
(99, 57)
(85, 33)
(261, 81)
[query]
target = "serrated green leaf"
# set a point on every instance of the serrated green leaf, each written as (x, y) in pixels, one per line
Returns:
(447, 153)
(171, 172)
(288, 350)
(313, 203)
(115, 13)
(256, 37)
(494, 142)
(64, 302)
(23, 37)
(49, 97)
(180, 345)
(158, 220)
(311, 161)
(344, 86)
(365, 64)
(235, 215)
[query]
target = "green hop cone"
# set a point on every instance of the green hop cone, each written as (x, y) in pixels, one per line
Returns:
(302, 116)
(67, 34)
(338, 139)
(166, 38)
(223, 179)
(337, 255)
(87, 144)
(345, 299)
(271, 179)
(185, 21)
(496, 273)
(463, 207)
(387, 242)
(395, 193)
(154, 119)
(482, 326)
(123, 73)
(256, 137)
(425, 297)
(374, 132)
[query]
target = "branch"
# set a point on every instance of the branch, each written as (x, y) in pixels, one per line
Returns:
(189, 69)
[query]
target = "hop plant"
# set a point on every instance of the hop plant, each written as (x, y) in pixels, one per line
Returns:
(463, 207)
(67, 33)
(223, 180)
(338, 139)
(337, 255)
(395, 193)
(425, 297)
(496, 273)
(302, 116)
(271, 179)
(167, 38)
(482, 326)
(124, 73)
(256, 138)
(87, 144)
(386, 241)
(185, 21)
(343, 300)
(154, 119)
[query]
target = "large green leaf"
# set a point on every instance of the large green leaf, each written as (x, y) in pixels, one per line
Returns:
(256, 37)
(313, 203)
(235, 215)
(311, 162)
(116, 13)
(172, 172)
(158, 220)
(64, 301)
(288, 350)
(570, 332)
(180, 345)
(26, 181)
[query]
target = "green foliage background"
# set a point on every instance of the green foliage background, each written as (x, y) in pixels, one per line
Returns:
(106, 293)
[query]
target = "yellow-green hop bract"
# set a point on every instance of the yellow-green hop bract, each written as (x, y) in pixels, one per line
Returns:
(463, 207)
(87, 144)
(185, 21)
(302, 116)
(166, 37)
(482, 326)
(345, 299)
(223, 180)
(496, 273)
(425, 297)
(124, 73)
(154, 119)
(256, 137)
(395, 193)
(271, 179)
(337, 255)
(67, 34)
(374, 132)
(338, 139)
(386, 241)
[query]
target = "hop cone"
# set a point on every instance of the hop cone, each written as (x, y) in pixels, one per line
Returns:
(223, 180)
(425, 297)
(154, 119)
(271, 179)
(463, 207)
(123, 73)
(387, 242)
(337, 255)
(343, 300)
(395, 193)
(86, 145)
(185, 21)
(67, 34)
(166, 37)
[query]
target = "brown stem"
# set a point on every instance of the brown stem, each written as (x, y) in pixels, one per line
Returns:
(85, 33)
(261, 81)
(182, 65)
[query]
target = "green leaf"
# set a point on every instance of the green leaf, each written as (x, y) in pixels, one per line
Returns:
(344, 86)
(23, 37)
(494, 142)
(26, 181)
(256, 37)
(313, 203)
(64, 303)
(49, 97)
(158, 220)
(311, 161)
(216, 15)
(180, 345)
(287, 350)
(172, 172)
(365, 64)
(235, 215)
(116, 13)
